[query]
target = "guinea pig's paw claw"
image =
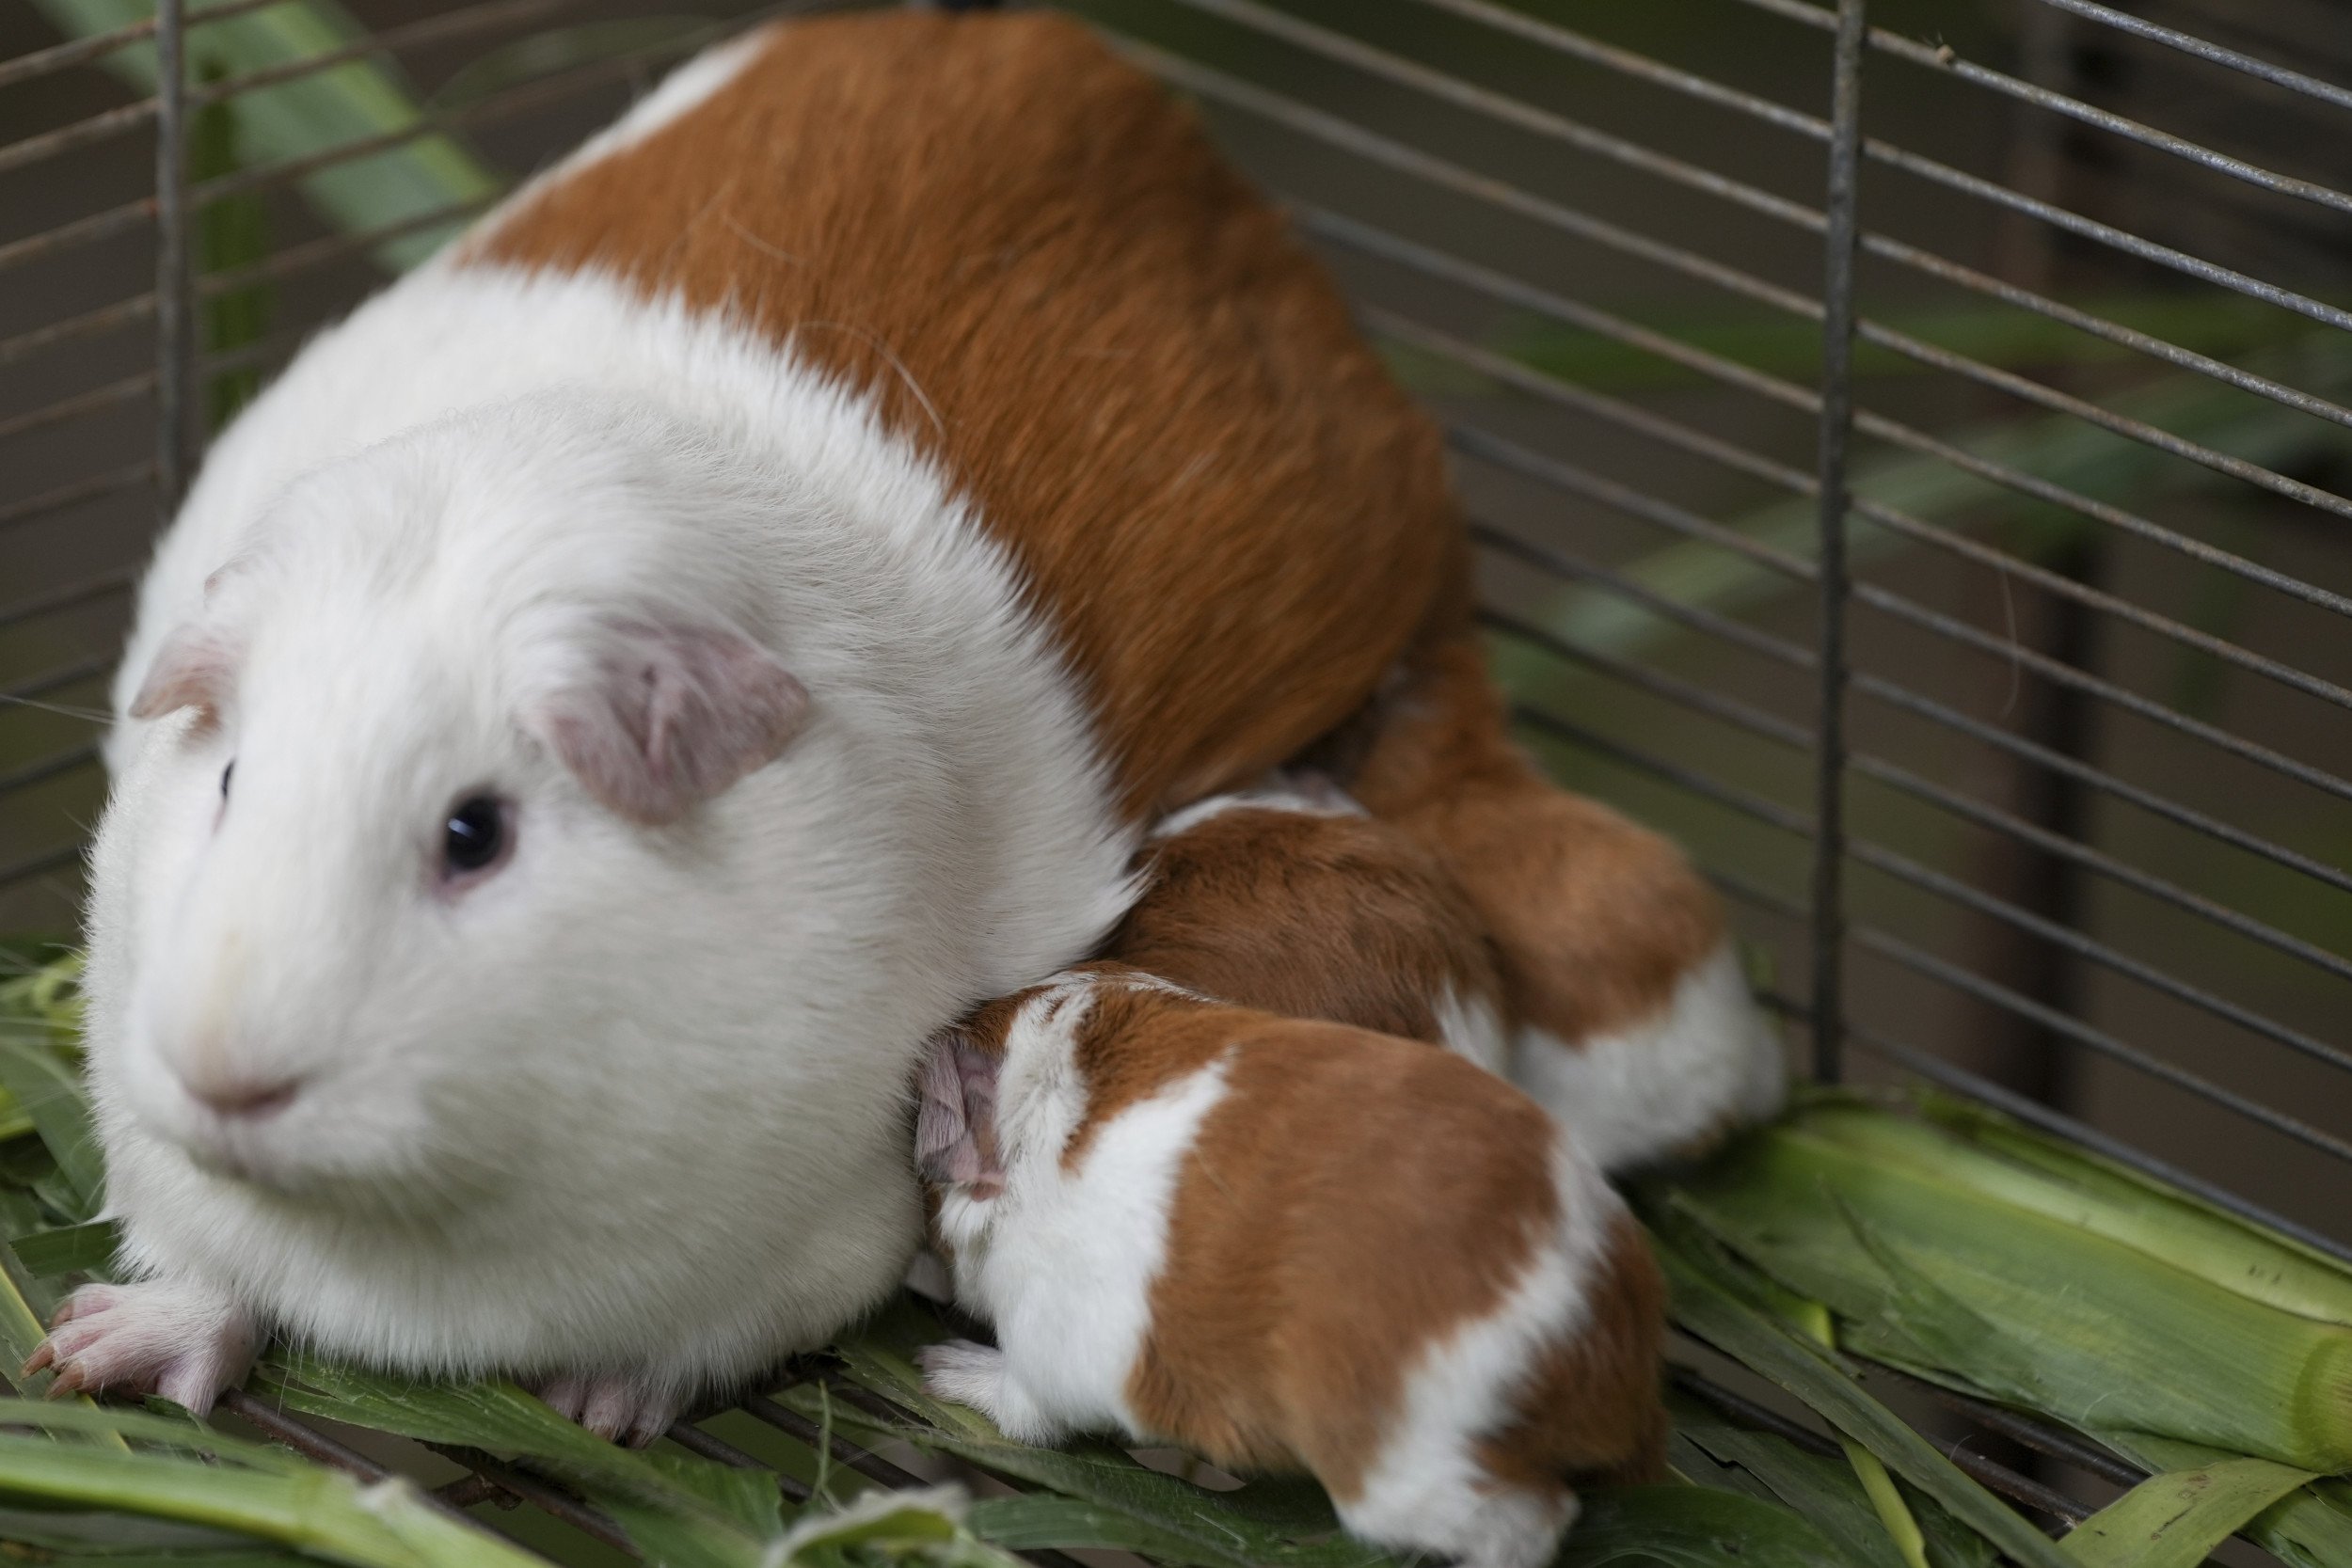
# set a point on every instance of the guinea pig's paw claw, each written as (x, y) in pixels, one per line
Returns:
(87, 1302)
(157, 1338)
(617, 1408)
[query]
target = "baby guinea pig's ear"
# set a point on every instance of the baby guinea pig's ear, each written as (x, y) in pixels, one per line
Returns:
(955, 1119)
(195, 667)
(655, 718)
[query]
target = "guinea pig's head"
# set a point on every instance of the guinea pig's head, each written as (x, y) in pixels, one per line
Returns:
(420, 772)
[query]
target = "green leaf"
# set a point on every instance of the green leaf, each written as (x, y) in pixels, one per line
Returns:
(1931, 1273)
(72, 1249)
(2309, 1528)
(1710, 1304)
(79, 1530)
(49, 1092)
(2175, 1519)
(927, 1527)
(1692, 1527)
(682, 1510)
(1274, 1525)
(293, 1503)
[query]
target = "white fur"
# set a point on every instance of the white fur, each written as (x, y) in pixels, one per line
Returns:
(1428, 1491)
(1273, 798)
(182, 1341)
(1472, 1028)
(1704, 1061)
(635, 1105)
(1062, 1260)
(688, 87)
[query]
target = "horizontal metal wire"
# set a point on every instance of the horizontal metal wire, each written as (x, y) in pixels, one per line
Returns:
(1928, 965)
(1560, 562)
(77, 232)
(65, 139)
(1920, 960)
(522, 99)
(1746, 802)
(1927, 879)
(1770, 726)
(1941, 58)
(68, 595)
(1876, 856)
(1797, 481)
(80, 405)
(43, 769)
(463, 23)
(2142, 881)
(73, 493)
(39, 864)
(1350, 137)
(2040, 1437)
(793, 1424)
(1496, 285)
(57, 679)
(1641, 67)
(2213, 54)
(70, 330)
(1975, 1086)
(61, 56)
(1491, 103)
(1521, 378)
(513, 101)
(292, 261)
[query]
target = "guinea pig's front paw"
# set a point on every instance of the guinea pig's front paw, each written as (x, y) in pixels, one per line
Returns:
(974, 1374)
(615, 1407)
(181, 1342)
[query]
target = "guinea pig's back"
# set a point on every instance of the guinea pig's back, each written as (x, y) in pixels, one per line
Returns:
(1379, 1251)
(1028, 253)
(1318, 914)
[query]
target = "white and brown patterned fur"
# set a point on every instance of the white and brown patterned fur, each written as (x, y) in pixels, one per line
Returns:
(1286, 1243)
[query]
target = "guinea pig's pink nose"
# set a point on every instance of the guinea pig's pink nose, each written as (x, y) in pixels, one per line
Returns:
(246, 1098)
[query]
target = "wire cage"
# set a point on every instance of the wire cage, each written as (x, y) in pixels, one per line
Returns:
(1907, 455)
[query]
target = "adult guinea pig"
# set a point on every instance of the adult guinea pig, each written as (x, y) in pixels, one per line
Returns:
(1291, 1245)
(1288, 899)
(620, 691)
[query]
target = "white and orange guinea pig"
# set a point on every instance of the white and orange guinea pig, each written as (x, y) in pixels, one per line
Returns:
(1289, 898)
(1290, 1245)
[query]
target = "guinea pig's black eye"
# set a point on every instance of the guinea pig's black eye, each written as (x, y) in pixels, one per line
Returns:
(475, 836)
(224, 777)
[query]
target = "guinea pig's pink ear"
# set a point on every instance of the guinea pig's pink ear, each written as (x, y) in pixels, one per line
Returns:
(194, 668)
(955, 1117)
(662, 718)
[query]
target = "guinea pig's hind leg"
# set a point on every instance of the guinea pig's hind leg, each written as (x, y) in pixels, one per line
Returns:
(181, 1342)
(982, 1378)
(614, 1406)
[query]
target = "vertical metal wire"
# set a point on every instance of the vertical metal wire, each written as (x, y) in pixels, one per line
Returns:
(175, 276)
(1838, 325)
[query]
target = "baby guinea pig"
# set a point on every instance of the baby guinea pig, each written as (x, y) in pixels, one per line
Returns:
(1290, 899)
(1290, 1245)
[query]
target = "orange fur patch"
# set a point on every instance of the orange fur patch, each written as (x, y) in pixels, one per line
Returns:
(1030, 254)
(1341, 918)
(1595, 918)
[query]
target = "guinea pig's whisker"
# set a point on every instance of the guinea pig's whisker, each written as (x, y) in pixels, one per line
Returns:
(88, 715)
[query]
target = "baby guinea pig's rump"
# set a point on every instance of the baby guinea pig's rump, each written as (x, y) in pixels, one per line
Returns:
(1292, 901)
(1289, 1243)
